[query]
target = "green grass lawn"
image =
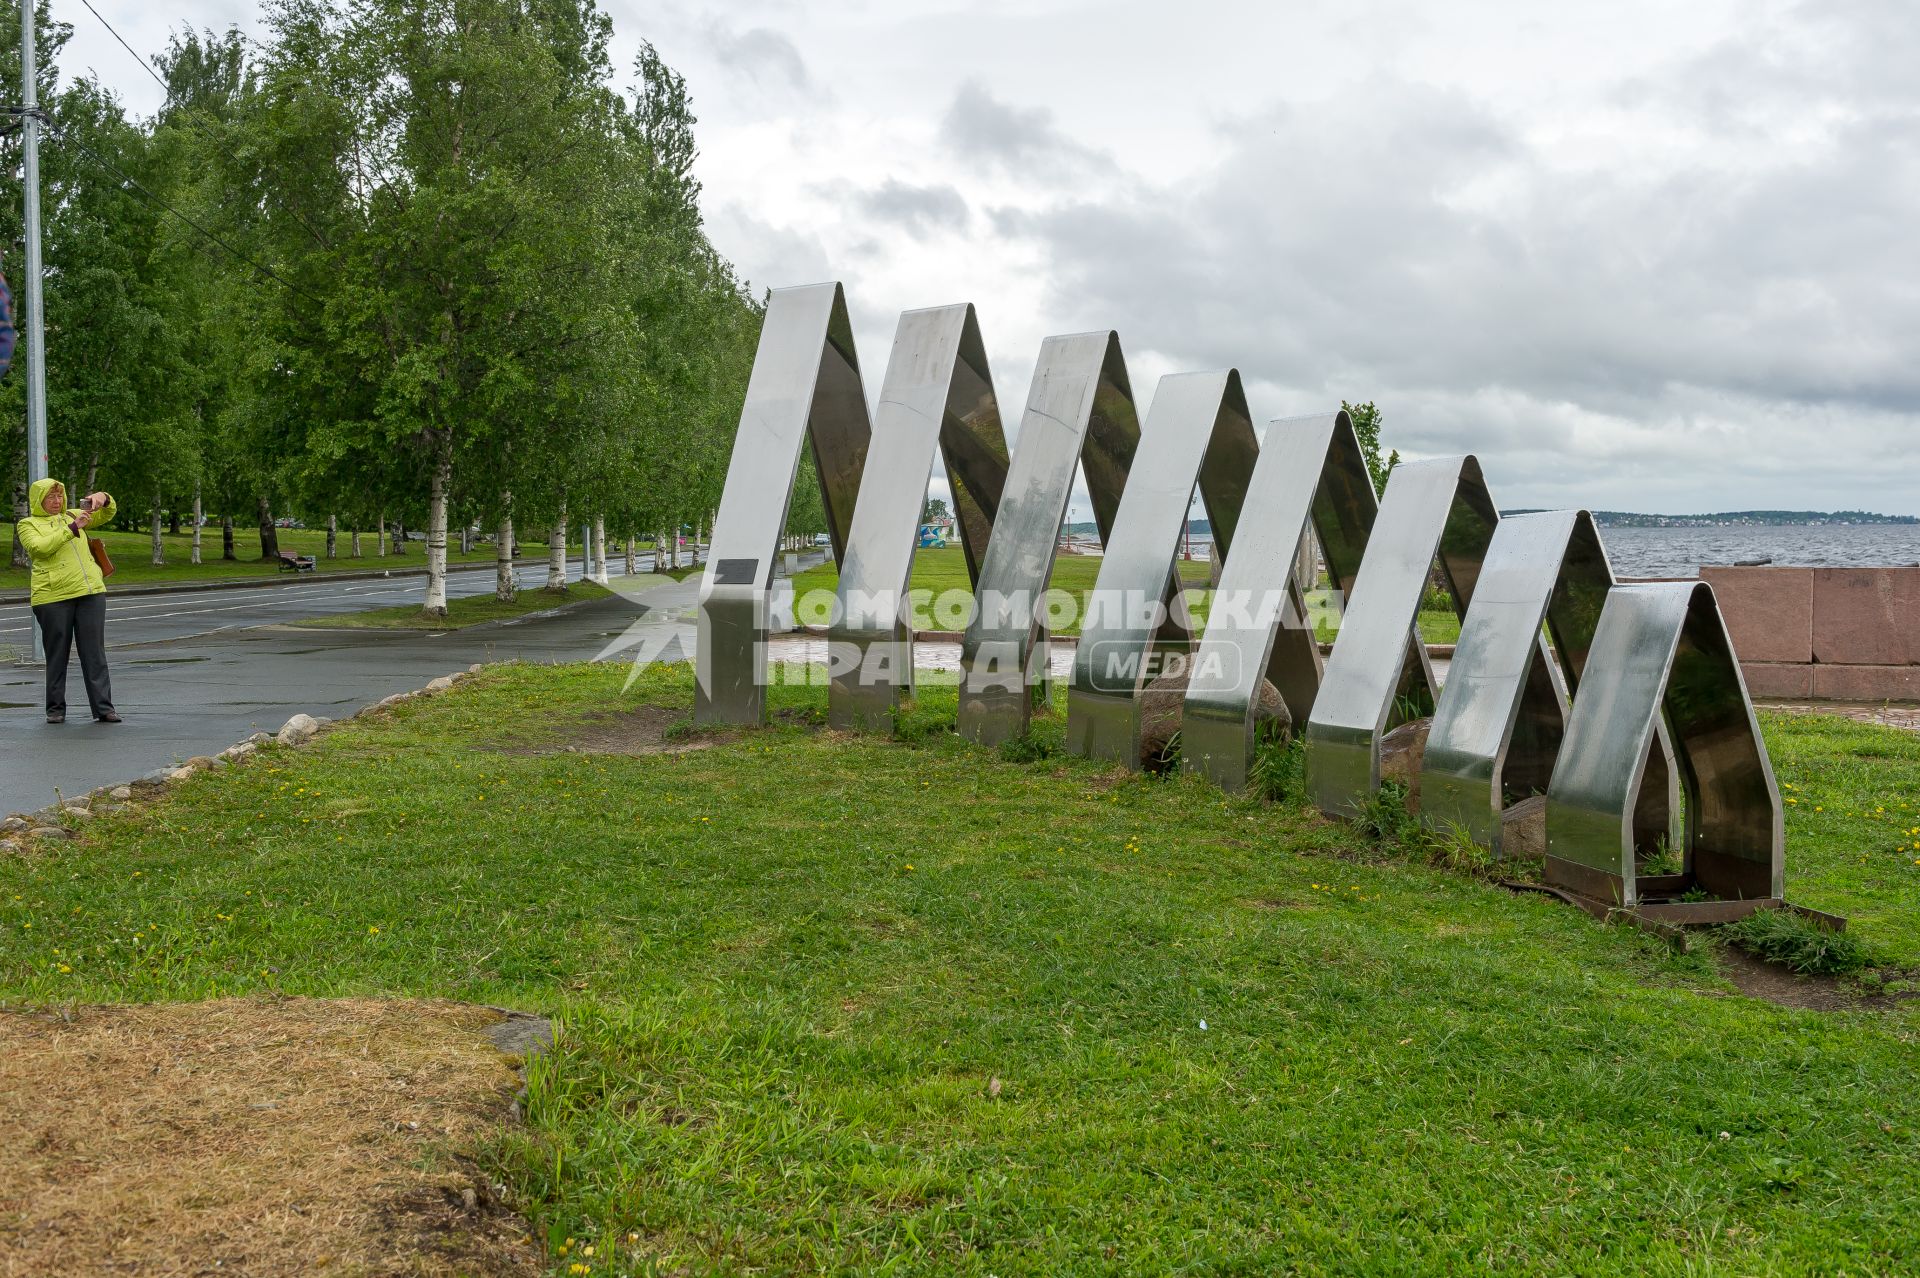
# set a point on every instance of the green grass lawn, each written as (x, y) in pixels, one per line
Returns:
(835, 1004)
(936, 572)
(132, 554)
(468, 611)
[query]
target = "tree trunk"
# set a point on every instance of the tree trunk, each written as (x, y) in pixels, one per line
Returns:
(466, 538)
(356, 541)
(437, 531)
(226, 538)
(557, 554)
(399, 537)
(380, 537)
(93, 475)
(505, 584)
(632, 568)
(269, 536)
(21, 559)
(333, 536)
(601, 575)
(173, 522)
(153, 525)
(195, 556)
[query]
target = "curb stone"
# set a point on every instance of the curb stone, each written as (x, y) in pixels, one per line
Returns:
(44, 824)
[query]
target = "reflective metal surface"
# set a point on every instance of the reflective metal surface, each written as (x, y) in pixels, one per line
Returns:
(1378, 674)
(1079, 413)
(1485, 720)
(1662, 648)
(937, 391)
(1309, 472)
(1198, 433)
(805, 387)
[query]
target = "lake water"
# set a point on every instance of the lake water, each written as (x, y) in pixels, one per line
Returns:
(1679, 552)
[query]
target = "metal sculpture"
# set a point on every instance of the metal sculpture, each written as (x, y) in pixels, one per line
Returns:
(1659, 650)
(937, 392)
(1310, 478)
(1079, 414)
(805, 388)
(1378, 674)
(1658, 705)
(1198, 434)
(1497, 731)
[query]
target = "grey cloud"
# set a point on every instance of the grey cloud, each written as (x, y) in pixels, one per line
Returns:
(918, 210)
(1022, 140)
(1411, 247)
(761, 54)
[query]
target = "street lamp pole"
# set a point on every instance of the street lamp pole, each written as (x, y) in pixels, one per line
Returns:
(36, 310)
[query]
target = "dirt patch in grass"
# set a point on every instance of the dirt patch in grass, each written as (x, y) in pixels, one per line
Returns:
(254, 1136)
(1757, 978)
(646, 729)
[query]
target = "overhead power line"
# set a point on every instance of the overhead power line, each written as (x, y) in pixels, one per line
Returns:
(136, 185)
(167, 90)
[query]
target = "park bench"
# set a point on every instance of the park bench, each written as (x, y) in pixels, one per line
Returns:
(290, 562)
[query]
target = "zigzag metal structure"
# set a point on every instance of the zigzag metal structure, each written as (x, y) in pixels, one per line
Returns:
(1623, 704)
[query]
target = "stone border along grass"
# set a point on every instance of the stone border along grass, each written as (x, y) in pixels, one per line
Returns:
(57, 819)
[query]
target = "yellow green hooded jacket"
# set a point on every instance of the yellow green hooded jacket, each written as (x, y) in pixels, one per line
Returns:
(62, 567)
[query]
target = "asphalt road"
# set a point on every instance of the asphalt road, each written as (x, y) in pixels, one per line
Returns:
(195, 672)
(140, 619)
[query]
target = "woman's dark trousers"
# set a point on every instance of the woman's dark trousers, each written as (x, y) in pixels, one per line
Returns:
(82, 620)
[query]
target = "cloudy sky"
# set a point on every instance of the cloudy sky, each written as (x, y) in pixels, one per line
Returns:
(1634, 254)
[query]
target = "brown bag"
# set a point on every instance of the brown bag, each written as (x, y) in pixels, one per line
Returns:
(98, 549)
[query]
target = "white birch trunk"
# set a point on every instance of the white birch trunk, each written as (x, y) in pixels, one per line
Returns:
(196, 523)
(333, 536)
(557, 554)
(632, 568)
(159, 547)
(380, 538)
(356, 542)
(601, 575)
(437, 534)
(505, 585)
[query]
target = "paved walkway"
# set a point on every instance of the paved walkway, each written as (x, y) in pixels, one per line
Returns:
(189, 682)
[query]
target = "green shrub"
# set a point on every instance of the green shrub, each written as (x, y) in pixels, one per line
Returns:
(1384, 815)
(1279, 768)
(1798, 943)
(1028, 747)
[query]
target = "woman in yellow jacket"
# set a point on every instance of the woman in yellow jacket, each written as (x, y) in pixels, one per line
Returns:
(69, 595)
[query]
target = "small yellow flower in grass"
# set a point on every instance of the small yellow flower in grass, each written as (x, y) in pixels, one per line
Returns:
(65, 968)
(909, 867)
(373, 931)
(633, 1238)
(587, 1250)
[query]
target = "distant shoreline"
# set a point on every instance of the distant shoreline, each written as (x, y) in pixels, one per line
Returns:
(1631, 519)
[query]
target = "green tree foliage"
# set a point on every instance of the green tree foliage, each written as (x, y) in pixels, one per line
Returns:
(1366, 425)
(441, 271)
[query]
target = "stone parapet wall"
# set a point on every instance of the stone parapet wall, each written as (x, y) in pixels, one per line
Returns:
(1831, 634)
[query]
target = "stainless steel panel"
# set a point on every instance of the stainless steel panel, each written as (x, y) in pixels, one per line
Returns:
(1198, 433)
(1378, 673)
(804, 390)
(937, 392)
(1309, 470)
(1490, 742)
(1079, 413)
(1662, 648)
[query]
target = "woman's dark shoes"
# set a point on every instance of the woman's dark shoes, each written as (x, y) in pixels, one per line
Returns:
(56, 716)
(108, 717)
